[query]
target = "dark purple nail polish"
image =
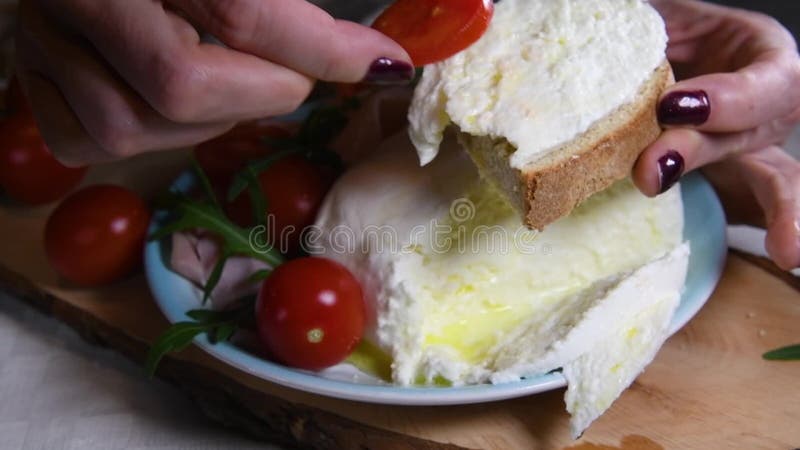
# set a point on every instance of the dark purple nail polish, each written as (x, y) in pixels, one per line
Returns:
(389, 71)
(684, 108)
(670, 169)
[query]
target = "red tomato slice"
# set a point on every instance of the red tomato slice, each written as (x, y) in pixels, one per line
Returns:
(434, 30)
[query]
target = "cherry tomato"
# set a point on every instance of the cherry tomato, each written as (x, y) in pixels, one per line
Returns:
(223, 156)
(28, 171)
(96, 236)
(310, 313)
(434, 30)
(294, 190)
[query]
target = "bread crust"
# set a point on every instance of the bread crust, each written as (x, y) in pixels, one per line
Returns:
(553, 186)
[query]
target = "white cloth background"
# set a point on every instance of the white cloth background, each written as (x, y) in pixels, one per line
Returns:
(59, 393)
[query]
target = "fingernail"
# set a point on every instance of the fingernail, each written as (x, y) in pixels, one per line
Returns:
(684, 108)
(670, 170)
(389, 71)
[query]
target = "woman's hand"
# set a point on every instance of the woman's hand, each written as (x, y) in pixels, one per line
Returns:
(116, 78)
(738, 101)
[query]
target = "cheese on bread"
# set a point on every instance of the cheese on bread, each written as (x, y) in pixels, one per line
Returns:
(555, 102)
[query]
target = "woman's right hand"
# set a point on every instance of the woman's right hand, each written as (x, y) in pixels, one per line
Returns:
(735, 104)
(112, 79)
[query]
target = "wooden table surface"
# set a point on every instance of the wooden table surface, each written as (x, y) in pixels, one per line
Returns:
(708, 387)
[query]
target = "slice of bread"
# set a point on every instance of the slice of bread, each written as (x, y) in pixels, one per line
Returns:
(554, 185)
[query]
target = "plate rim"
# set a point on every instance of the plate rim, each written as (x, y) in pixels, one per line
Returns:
(164, 284)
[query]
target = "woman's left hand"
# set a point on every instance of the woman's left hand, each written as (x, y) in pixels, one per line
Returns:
(737, 103)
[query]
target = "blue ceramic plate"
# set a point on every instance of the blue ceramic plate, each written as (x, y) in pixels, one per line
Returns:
(705, 230)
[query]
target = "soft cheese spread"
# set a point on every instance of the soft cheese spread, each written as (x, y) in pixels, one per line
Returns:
(459, 292)
(448, 269)
(543, 73)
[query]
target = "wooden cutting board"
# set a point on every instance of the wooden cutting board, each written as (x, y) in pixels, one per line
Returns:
(708, 388)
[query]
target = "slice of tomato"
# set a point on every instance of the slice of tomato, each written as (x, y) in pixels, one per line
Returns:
(434, 30)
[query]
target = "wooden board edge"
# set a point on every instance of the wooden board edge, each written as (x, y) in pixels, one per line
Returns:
(264, 417)
(767, 265)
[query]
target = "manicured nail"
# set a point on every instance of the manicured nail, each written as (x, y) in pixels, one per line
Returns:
(684, 108)
(389, 71)
(670, 170)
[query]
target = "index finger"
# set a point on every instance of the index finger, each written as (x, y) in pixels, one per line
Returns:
(303, 37)
(162, 58)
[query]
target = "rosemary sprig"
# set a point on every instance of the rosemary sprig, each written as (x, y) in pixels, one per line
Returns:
(192, 215)
(205, 184)
(187, 214)
(249, 175)
(311, 142)
(219, 325)
(790, 353)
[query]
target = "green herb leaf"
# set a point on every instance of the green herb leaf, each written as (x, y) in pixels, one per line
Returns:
(242, 179)
(223, 333)
(177, 338)
(205, 183)
(214, 277)
(202, 315)
(261, 275)
(215, 317)
(790, 353)
(170, 229)
(219, 325)
(187, 214)
(191, 215)
(257, 200)
(316, 132)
